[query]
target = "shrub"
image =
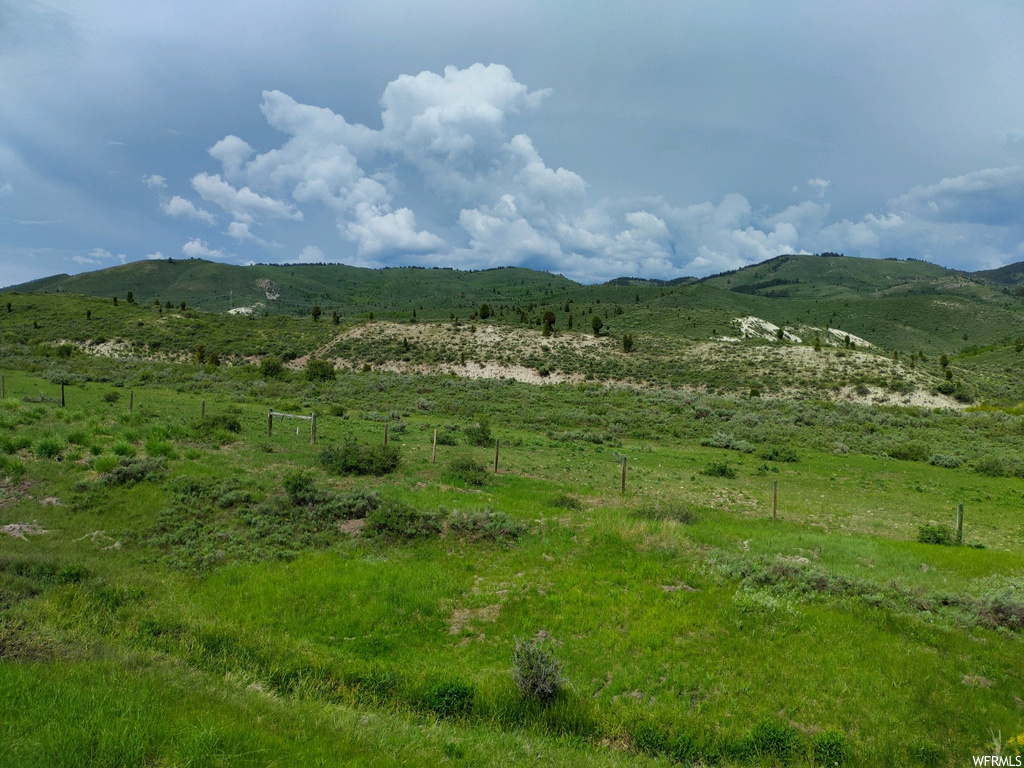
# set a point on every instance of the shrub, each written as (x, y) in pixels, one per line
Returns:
(566, 501)
(830, 748)
(627, 342)
(112, 396)
(219, 428)
(536, 671)
(779, 453)
(300, 487)
(486, 524)
(271, 367)
(397, 521)
(909, 451)
(992, 466)
(130, 472)
(161, 448)
(320, 370)
(723, 440)
(947, 462)
(467, 471)
(449, 698)
(478, 433)
(351, 458)
(935, 533)
(719, 469)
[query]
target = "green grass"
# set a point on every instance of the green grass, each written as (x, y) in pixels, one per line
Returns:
(194, 603)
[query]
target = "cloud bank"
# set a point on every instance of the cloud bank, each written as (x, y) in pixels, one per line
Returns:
(449, 179)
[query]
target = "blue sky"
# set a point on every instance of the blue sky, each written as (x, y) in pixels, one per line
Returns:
(657, 139)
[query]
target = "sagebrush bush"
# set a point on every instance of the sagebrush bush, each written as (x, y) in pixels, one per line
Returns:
(719, 469)
(909, 451)
(478, 433)
(468, 471)
(396, 521)
(132, 471)
(936, 533)
(486, 525)
(779, 453)
(351, 458)
(680, 513)
(536, 671)
(945, 461)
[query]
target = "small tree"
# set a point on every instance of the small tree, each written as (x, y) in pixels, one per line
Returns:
(944, 361)
(88, 314)
(115, 301)
(597, 324)
(780, 334)
(549, 322)
(569, 321)
(316, 312)
(200, 353)
(320, 370)
(182, 305)
(485, 311)
(334, 317)
(627, 342)
(130, 298)
(214, 359)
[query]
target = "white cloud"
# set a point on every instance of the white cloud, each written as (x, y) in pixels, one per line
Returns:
(198, 249)
(380, 232)
(179, 206)
(6, 188)
(155, 181)
(819, 185)
(99, 257)
(310, 255)
(155, 256)
(242, 203)
(239, 230)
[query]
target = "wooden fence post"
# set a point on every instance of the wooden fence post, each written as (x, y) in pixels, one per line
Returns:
(202, 410)
(312, 430)
(270, 423)
(775, 499)
(131, 401)
(385, 433)
(433, 453)
(496, 456)
(960, 523)
(3, 387)
(623, 474)
(62, 394)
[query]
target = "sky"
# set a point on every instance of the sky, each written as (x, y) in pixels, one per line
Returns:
(659, 139)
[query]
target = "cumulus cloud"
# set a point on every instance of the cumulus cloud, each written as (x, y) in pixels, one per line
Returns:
(179, 206)
(310, 255)
(155, 181)
(243, 204)
(449, 177)
(198, 249)
(155, 256)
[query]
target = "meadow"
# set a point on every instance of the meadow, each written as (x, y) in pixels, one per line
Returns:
(184, 589)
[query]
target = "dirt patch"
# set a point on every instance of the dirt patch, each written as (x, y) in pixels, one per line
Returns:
(463, 616)
(352, 527)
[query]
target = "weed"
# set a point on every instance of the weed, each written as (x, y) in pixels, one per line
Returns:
(680, 513)
(449, 698)
(830, 748)
(566, 501)
(49, 447)
(773, 739)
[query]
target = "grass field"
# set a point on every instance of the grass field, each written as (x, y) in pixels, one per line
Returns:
(188, 605)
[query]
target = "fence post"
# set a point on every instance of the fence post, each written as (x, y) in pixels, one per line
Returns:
(496, 455)
(433, 453)
(623, 474)
(202, 411)
(62, 395)
(270, 423)
(131, 401)
(385, 433)
(960, 523)
(312, 430)
(775, 499)
(3, 387)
